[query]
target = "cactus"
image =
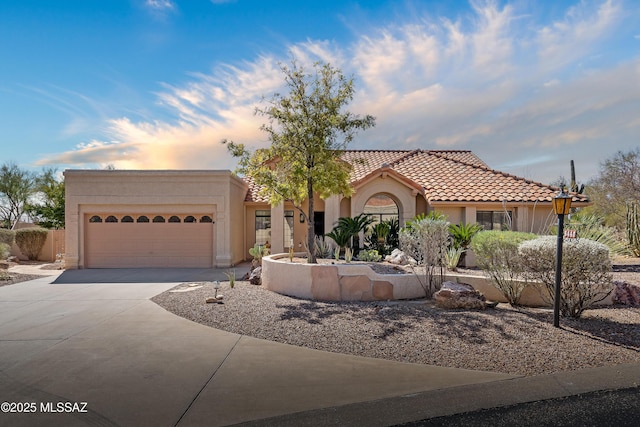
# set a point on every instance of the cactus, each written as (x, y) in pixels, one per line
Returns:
(633, 229)
(574, 185)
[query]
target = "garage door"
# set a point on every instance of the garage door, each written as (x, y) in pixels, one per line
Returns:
(149, 240)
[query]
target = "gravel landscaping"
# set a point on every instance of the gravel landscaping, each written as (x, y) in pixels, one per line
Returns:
(504, 339)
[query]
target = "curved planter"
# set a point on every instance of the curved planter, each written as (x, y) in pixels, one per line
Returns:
(335, 282)
(358, 282)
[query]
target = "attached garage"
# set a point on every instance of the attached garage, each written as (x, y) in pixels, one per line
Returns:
(153, 219)
(149, 240)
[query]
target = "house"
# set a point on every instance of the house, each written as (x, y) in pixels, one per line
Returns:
(200, 218)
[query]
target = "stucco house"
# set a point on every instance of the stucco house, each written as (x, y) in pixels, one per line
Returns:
(200, 218)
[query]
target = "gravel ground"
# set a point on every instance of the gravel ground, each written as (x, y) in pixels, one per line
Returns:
(503, 339)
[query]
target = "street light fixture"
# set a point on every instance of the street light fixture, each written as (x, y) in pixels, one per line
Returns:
(561, 207)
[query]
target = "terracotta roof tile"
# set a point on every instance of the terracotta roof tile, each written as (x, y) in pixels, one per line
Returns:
(444, 176)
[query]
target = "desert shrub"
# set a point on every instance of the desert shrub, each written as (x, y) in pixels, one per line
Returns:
(497, 255)
(426, 240)
(5, 250)
(6, 236)
(592, 227)
(30, 241)
(369, 255)
(324, 248)
(452, 257)
(586, 271)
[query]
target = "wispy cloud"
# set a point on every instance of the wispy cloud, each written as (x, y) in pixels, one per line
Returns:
(160, 4)
(513, 92)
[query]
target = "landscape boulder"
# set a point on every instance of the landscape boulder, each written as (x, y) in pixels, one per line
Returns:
(459, 295)
(255, 276)
(626, 294)
(399, 257)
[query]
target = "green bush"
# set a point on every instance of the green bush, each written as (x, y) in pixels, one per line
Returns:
(497, 255)
(6, 236)
(369, 255)
(5, 250)
(586, 271)
(30, 241)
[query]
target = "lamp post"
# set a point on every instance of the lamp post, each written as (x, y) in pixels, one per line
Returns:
(561, 207)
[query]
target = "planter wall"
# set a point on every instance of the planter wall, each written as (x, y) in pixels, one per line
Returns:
(358, 282)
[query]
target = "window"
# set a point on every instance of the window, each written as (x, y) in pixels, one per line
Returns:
(381, 208)
(288, 228)
(126, 218)
(143, 218)
(158, 218)
(174, 218)
(206, 218)
(494, 220)
(189, 218)
(95, 218)
(263, 226)
(111, 218)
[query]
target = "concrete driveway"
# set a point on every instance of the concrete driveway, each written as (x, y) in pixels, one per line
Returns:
(89, 348)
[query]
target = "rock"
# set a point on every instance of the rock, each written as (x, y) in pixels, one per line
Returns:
(399, 257)
(626, 294)
(13, 259)
(214, 300)
(459, 295)
(255, 278)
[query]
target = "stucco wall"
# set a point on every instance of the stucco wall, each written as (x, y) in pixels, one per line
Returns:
(212, 192)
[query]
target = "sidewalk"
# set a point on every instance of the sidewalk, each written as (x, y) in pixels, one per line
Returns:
(133, 363)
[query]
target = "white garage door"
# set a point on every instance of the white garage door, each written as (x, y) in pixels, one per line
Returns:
(149, 240)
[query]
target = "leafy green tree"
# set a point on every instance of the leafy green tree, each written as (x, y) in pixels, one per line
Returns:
(308, 130)
(48, 209)
(16, 187)
(617, 183)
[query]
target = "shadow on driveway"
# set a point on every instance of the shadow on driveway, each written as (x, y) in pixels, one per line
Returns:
(149, 275)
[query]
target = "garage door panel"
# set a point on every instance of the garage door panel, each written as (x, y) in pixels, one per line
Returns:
(130, 245)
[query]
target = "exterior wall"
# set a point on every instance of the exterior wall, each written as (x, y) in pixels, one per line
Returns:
(53, 246)
(213, 192)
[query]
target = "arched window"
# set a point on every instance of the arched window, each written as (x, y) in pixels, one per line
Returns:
(95, 218)
(126, 218)
(143, 218)
(381, 208)
(158, 218)
(174, 218)
(189, 218)
(206, 218)
(111, 218)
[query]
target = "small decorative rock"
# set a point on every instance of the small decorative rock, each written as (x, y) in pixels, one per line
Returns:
(459, 295)
(626, 294)
(255, 277)
(216, 300)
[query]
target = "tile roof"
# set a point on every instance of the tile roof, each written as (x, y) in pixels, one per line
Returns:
(442, 176)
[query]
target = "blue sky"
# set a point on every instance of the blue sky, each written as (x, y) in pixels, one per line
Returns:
(156, 84)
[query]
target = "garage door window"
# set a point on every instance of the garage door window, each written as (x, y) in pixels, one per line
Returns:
(158, 218)
(143, 218)
(206, 218)
(126, 218)
(111, 218)
(174, 218)
(189, 218)
(95, 218)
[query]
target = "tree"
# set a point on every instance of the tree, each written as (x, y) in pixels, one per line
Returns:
(48, 210)
(617, 183)
(308, 130)
(16, 186)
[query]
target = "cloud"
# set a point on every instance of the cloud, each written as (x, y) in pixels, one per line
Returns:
(159, 4)
(516, 94)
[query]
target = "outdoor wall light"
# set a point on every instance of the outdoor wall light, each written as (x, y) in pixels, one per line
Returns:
(301, 218)
(561, 207)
